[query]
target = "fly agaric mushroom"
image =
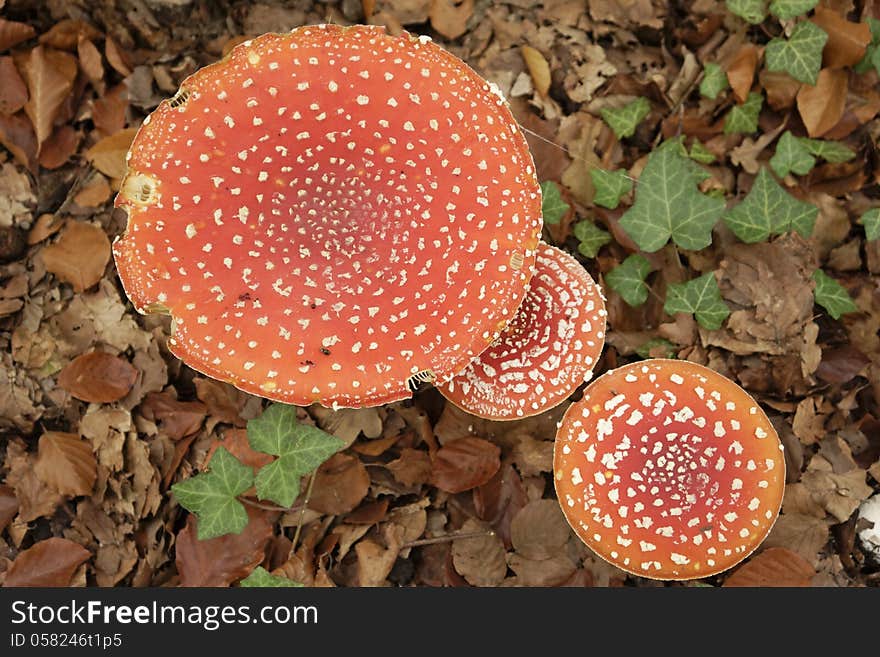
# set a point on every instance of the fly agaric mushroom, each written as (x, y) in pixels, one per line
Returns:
(330, 215)
(668, 470)
(549, 348)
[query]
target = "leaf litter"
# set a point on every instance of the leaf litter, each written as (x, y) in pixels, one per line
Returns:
(98, 421)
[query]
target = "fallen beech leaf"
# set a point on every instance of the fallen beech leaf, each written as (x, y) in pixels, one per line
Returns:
(348, 423)
(223, 560)
(90, 62)
(847, 41)
(539, 69)
(481, 560)
(80, 255)
(465, 463)
(8, 506)
(341, 483)
(44, 227)
(236, 442)
(116, 58)
(13, 90)
(500, 499)
(98, 377)
(66, 462)
(821, 106)
(450, 17)
(375, 447)
(413, 468)
(17, 134)
(174, 418)
(94, 193)
(368, 513)
(108, 112)
(12, 33)
(35, 498)
(51, 562)
(49, 75)
(59, 147)
(539, 530)
(108, 155)
(66, 33)
(374, 562)
(774, 566)
(541, 572)
(741, 71)
(781, 88)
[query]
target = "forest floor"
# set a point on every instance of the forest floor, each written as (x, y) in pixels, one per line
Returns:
(85, 496)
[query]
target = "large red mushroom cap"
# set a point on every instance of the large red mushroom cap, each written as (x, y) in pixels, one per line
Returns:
(330, 215)
(668, 470)
(548, 349)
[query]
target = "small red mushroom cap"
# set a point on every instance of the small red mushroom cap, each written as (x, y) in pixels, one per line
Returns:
(549, 348)
(328, 213)
(668, 470)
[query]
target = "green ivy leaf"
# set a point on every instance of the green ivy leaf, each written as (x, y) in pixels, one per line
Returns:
(751, 11)
(872, 53)
(701, 154)
(791, 155)
(592, 238)
(800, 55)
(832, 296)
(645, 350)
(830, 151)
(744, 118)
(628, 279)
(262, 578)
(714, 81)
(624, 120)
(871, 221)
(701, 297)
(553, 208)
(769, 210)
(300, 449)
(610, 187)
(211, 495)
(785, 9)
(669, 204)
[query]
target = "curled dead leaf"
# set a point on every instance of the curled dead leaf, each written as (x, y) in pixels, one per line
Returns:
(465, 463)
(340, 484)
(775, 566)
(223, 560)
(821, 106)
(12, 33)
(13, 91)
(51, 562)
(847, 41)
(98, 377)
(94, 193)
(539, 69)
(80, 255)
(66, 463)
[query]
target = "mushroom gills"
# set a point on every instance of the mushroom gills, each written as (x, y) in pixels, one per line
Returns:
(180, 98)
(420, 377)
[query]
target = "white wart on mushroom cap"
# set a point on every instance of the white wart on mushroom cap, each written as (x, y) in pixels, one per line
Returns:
(549, 348)
(329, 212)
(668, 470)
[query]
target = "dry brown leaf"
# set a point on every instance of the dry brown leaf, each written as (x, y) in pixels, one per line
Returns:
(348, 423)
(375, 447)
(847, 41)
(412, 468)
(17, 135)
(8, 506)
(839, 493)
(98, 377)
(44, 227)
(340, 484)
(465, 463)
(90, 62)
(66, 463)
(541, 572)
(539, 530)
(12, 33)
(117, 58)
(108, 155)
(59, 147)
(781, 88)
(774, 567)
(49, 75)
(174, 418)
(539, 69)
(108, 112)
(236, 443)
(13, 90)
(66, 33)
(35, 498)
(500, 499)
(223, 560)
(374, 561)
(222, 400)
(80, 255)
(821, 106)
(450, 17)
(51, 562)
(741, 71)
(94, 193)
(481, 560)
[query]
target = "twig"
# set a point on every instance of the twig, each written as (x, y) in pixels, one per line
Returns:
(447, 538)
(302, 513)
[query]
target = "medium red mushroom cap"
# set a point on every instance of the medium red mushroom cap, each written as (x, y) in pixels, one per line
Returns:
(548, 349)
(329, 215)
(668, 470)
